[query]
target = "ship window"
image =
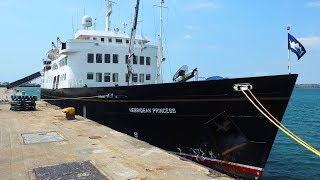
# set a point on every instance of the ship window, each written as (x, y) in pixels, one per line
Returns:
(141, 60)
(90, 75)
(147, 60)
(110, 40)
(54, 66)
(107, 58)
(115, 77)
(126, 60)
(115, 58)
(127, 41)
(119, 41)
(63, 61)
(99, 77)
(134, 77)
(98, 58)
(148, 77)
(135, 60)
(66, 61)
(141, 78)
(90, 58)
(102, 39)
(63, 46)
(127, 78)
(94, 38)
(106, 77)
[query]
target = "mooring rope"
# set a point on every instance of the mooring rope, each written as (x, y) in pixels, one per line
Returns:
(277, 123)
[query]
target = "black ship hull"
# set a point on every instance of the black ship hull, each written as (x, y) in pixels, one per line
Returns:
(205, 121)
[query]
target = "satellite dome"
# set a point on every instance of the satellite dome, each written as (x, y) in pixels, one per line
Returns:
(86, 21)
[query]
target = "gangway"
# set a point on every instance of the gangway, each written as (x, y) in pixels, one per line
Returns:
(24, 80)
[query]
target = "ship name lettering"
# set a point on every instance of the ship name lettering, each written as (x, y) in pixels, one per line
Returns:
(153, 110)
(164, 110)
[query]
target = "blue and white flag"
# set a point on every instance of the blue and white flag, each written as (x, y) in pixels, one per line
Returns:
(295, 46)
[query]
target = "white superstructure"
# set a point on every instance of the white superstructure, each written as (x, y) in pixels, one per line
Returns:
(98, 59)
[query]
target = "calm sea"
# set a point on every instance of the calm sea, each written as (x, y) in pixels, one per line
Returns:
(288, 160)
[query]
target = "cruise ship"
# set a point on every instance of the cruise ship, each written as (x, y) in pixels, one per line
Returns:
(115, 78)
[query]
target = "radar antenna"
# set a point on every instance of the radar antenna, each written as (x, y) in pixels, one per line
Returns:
(182, 75)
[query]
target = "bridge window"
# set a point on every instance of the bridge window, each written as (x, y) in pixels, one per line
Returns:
(115, 58)
(115, 77)
(126, 60)
(90, 58)
(127, 78)
(98, 58)
(135, 60)
(119, 41)
(110, 40)
(141, 60)
(107, 58)
(90, 75)
(98, 77)
(127, 41)
(148, 77)
(63, 46)
(147, 60)
(106, 77)
(134, 77)
(141, 78)
(102, 39)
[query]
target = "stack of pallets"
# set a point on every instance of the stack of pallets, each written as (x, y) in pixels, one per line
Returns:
(23, 103)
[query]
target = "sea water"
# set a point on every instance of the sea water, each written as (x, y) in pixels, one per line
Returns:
(30, 91)
(288, 159)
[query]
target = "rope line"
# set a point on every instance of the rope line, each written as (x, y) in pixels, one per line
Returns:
(275, 119)
(279, 125)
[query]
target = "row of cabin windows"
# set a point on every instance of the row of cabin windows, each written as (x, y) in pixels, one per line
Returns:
(115, 77)
(141, 60)
(62, 62)
(107, 58)
(106, 77)
(115, 59)
(119, 41)
(141, 77)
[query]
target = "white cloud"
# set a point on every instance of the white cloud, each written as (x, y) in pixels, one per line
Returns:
(313, 4)
(313, 41)
(204, 5)
(187, 36)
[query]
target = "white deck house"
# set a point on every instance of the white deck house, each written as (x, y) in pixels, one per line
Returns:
(97, 59)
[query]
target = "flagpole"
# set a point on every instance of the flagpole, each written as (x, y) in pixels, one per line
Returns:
(289, 62)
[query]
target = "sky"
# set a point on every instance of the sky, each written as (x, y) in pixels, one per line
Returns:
(219, 37)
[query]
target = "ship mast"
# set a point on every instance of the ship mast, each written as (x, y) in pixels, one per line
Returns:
(108, 14)
(160, 49)
(131, 43)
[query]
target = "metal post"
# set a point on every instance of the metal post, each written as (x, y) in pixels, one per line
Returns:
(289, 62)
(84, 111)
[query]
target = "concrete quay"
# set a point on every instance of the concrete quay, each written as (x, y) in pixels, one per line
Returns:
(43, 144)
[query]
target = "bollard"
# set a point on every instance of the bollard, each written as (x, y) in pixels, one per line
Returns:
(70, 113)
